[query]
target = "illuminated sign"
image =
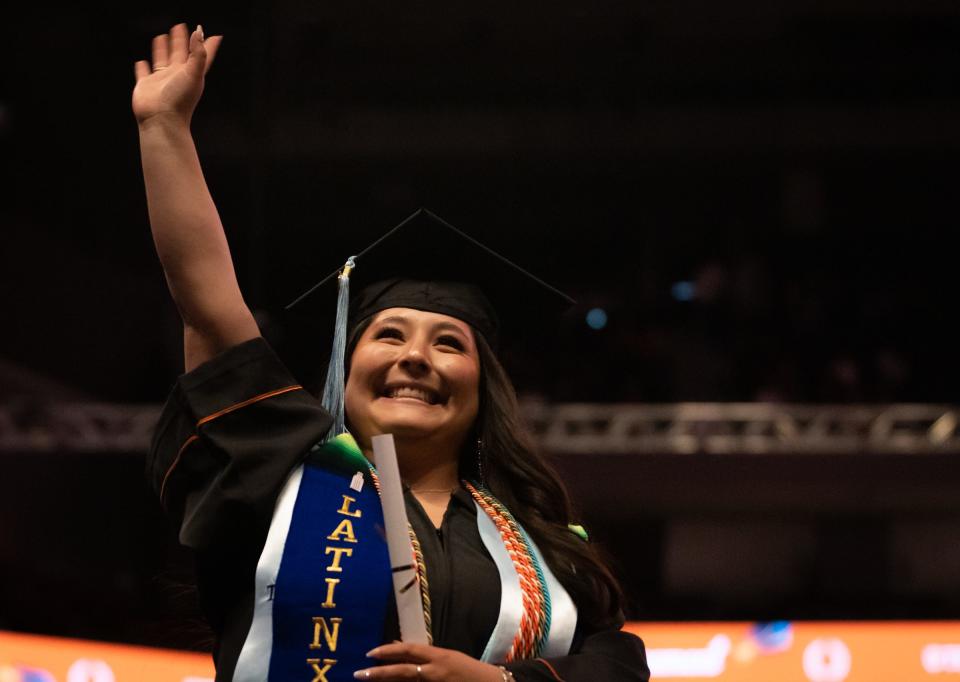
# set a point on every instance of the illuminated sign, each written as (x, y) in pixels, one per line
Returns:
(28, 658)
(679, 652)
(802, 651)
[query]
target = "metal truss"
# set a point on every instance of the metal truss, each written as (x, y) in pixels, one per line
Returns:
(746, 428)
(76, 427)
(572, 428)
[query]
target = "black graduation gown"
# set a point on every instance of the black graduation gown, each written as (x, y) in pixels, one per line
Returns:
(230, 433)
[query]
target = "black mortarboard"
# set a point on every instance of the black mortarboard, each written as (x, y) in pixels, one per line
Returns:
(427, 264)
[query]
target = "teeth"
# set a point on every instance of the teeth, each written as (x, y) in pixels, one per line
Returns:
(409, 392)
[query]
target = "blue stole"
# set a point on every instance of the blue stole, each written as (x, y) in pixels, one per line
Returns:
(323, 581)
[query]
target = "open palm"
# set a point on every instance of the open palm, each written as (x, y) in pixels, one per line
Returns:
(173, 83)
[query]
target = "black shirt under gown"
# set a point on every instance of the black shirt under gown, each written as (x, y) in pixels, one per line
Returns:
(230, 433)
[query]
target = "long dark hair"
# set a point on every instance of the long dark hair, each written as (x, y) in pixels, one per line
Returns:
(512, 468)
(520, 477)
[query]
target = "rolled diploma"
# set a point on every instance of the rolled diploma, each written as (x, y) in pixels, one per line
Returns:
(409, 602)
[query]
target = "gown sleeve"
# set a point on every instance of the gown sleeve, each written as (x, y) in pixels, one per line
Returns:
(608, 654)
(230, 433)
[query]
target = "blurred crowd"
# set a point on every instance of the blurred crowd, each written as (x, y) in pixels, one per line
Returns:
(745, 330)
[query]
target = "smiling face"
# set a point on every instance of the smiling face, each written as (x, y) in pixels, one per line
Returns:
(416, 375)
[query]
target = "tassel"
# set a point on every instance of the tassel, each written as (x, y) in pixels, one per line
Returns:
(332, 399)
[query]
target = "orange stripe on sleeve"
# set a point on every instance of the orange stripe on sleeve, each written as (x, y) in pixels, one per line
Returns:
(211, 417)
(249, 401)
(176, 460)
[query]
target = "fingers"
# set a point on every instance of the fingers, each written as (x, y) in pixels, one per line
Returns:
(178, 47)
(400, 671)
(141, 69)
(202, 52)
(161, 51)
(178, 44)
(198, 55)
(404, 651)
(423, 663)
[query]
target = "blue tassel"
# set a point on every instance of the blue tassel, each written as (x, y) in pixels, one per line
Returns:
(332, 399)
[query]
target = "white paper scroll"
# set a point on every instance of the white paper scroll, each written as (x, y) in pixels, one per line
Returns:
(405, 583)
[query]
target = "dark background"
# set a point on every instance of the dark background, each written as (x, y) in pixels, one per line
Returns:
(794, 162)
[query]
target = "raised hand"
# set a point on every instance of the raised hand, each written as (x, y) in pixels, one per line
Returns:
(186, 227)
(171, 86)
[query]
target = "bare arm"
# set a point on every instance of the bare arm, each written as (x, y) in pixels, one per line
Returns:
(186, 227)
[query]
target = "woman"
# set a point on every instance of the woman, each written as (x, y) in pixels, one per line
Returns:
(291, 569)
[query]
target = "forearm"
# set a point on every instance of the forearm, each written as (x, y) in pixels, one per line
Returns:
(186, 228)
(190, 240)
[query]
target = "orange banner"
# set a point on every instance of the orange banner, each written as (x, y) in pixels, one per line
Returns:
(28, 658)
(681, 652)
(802, 651)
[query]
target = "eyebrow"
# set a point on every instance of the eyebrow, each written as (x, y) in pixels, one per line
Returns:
(444, 326)
(393, 318)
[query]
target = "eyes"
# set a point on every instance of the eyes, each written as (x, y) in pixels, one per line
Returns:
(451, 341)
(388, 333)
(442, 341)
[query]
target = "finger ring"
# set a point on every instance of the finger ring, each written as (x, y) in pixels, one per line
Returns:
(157, 68)
(419, 672)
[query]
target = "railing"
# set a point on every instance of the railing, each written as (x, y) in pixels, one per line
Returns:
(76, 427)
(573, 428)
(746, 428)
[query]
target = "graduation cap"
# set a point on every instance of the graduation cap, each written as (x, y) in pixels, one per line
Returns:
(427, 264)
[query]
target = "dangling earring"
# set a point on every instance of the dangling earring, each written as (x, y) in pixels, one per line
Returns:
(480, 475)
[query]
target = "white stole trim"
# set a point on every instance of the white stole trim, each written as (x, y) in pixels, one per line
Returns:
(511, 598)
(253, 664)
(563, 612)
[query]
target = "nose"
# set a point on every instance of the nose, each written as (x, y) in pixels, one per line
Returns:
(414, 361)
